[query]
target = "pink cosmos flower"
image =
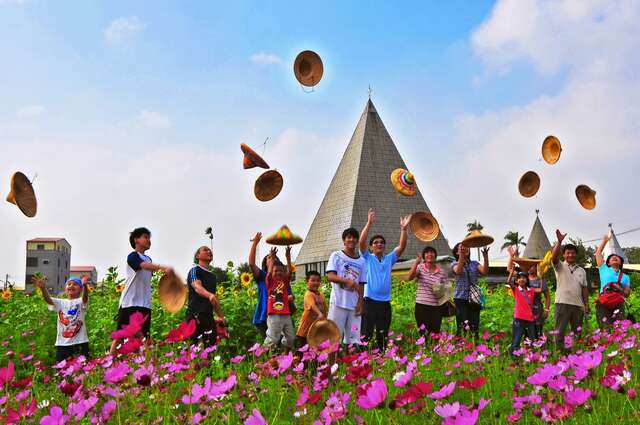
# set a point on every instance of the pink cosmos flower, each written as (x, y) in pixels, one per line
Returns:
(577, 396)
(544, 374)
(237, 359)
(182, 332)
(222, 387)
(144, 375)
(136, 320)
(335, 407)
(22, 395)
(372, 395)
(284, 362)
(444, 392)
(255, 419)
(420, 340)
(558, 383)
(107, 410)
(55, 417)
(6, 374)
(404, 378)
(632, 393)
(117, 373)
(197, 392)
(16, 416)
(447, 410)
(80, 409)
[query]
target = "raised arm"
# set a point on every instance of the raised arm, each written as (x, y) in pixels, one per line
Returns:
(364, 235)
(404, 223)
(599, 256)
(414, 268)
(555, 253)
(287, 255)
(271, 261)
(85, 290)
(462, 259)
(484, 267)
(252, 256)
(41, 283)
(513, 252)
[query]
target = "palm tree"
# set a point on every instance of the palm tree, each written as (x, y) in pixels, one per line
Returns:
(512, 239)
(475, 225)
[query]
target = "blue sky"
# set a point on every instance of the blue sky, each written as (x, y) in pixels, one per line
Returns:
(113, 92)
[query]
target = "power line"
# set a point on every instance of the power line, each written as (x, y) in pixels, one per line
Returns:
(635, 229)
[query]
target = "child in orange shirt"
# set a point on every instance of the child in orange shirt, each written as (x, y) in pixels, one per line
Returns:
(315, 307)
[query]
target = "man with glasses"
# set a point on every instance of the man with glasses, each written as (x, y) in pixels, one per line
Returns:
(377, 293)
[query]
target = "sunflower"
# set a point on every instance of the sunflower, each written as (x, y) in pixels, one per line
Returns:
(6, 294)
(245, 278)
(119, 287)
(89, 288)
(292, 268)
(220, 290)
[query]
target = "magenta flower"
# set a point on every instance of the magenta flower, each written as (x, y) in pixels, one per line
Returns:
(6, 374)
(255, 419)
(107, 410)
(577, 396)
(237, 359)
(24, 411)
(182, 332)
(403, 379)
(284, 362)
(80, 409)
(443, 392)
(335, 407)
(130, 330)
(544, 374)
(55, 417)
(222, 387)
(372, 395)
(447, 410)
(197, 392)
(117, 373)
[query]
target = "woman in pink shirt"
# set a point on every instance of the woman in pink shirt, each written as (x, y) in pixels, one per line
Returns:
(429, 307)
(523, 318)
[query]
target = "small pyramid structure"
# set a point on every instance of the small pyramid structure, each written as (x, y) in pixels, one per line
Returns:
(362, 181)
(613, 246)
(538, 243)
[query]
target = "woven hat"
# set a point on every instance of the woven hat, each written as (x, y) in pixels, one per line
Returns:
(526, 263)
(403, 182)
(551, 149)
(477, 239)
(322, 330)
(529, 184)
(284, 237)
(424, 226)
(172, 292)
(251, 159)
(22, 194)
(308, 68)
(268, 185)
(586, 196)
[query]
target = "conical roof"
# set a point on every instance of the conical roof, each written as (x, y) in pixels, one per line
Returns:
(362, 182)
(538, 243)
(613, 246)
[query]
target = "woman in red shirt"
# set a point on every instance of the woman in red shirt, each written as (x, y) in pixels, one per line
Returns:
(523, 318)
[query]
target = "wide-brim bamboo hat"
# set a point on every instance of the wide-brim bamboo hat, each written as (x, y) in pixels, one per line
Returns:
(424, 226)
(284, 237)
(251, 159)
(551, 149)
(477, 239)
(22, 194)
(322, 330)
(268, 185)
(586, 196)
(529, 184)
(526, 263)
(172, 292)
(308, 68)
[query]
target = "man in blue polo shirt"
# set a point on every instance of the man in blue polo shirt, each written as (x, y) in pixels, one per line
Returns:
(376, 315)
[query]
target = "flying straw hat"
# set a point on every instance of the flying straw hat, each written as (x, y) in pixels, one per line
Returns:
(322, 330)
(403, 182)
(284, 237)
(551, 149)
(424, 226)
(586, 196)
(251, 159)
(22, 194)
(172, 292)
(529, 184)
(268, 185)
(477, 239)
(308, 68)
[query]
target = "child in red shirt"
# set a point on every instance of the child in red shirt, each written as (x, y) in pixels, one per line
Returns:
(523, 318)
(278, 308)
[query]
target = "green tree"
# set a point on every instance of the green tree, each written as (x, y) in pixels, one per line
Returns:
(586, 256)
(633, 254)
(512, 239)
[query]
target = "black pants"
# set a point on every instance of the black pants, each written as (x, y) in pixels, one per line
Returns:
(467, 317)
(262, 330)
(125, 313)
(519, 329)
(376, 318)
(428, 318)
(205, 328)
(63, 352)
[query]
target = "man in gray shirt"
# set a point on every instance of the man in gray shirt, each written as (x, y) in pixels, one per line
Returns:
(572, 295)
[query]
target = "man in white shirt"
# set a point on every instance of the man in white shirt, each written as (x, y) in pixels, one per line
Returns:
(346, 270)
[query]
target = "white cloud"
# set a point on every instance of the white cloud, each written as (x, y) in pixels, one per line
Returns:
(154, 120)
(595, 113)
(122, 28)
(265, 58)
(30, 111)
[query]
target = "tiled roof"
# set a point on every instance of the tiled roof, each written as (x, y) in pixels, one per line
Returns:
(538, 243)
(82, 269)
(46, 240)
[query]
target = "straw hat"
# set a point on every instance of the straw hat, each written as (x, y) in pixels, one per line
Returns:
(308, 68)
(322, 330)
(268, 185)
(526, 263)
(529, 184)
(403, 182)
(586, 196)
(172, 292)
(251, 158)
(22, 194)
(477, 239)
(551, 149)
(424, 226)
(284, 237)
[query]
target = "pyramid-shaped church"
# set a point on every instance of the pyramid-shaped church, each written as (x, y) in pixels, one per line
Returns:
(362, 181)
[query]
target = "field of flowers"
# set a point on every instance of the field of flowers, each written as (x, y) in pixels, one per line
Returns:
(447, 380)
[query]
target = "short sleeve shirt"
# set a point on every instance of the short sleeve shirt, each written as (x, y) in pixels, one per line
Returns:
(468, 277)
(260, 315)
(198, 304)
(425, 280)
(570, 281)
(524, 303)
(608, 275)
(71, 325)
(378, 279)
(137, 286)
(348, 268)
(278, 295)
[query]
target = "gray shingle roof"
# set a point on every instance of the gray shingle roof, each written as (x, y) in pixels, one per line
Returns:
(360, 182)
(613, 247)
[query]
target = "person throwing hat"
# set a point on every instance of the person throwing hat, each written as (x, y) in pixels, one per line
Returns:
(615, 286)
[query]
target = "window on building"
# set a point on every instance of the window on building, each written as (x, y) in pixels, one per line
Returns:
(45, 261)
(32, 261)
(28, 280)
(40, 246)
